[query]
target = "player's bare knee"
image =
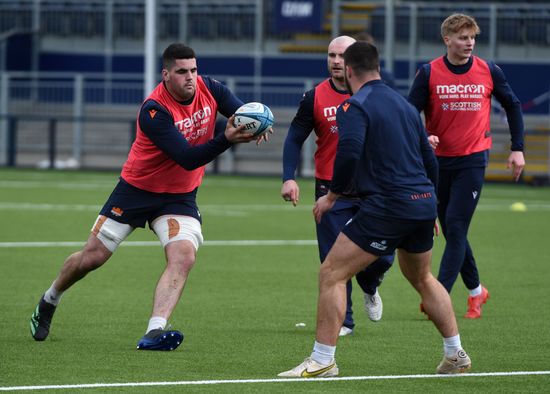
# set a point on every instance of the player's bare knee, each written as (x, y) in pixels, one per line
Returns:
(92, 260)
(328, 276)
(422, 282)
(181, 255)
(183, 263)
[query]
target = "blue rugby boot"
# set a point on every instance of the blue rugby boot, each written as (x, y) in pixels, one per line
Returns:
(160, 340)
(41, 320)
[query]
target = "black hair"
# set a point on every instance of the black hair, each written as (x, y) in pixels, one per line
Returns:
(176, 51)
(362, 57)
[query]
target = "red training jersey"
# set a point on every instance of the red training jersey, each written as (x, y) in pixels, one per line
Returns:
(148, 168)
(459, 108)
(326, 102)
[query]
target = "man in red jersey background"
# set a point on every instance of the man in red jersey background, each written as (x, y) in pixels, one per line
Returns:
(317, 111)
(454, 91)
(158, 185)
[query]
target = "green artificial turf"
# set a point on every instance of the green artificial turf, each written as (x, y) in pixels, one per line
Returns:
(242, 302)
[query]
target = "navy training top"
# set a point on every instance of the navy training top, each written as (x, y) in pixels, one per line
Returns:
(384, 147)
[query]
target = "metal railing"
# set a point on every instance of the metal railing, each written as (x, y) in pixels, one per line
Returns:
(51, 142)
(90, 119)
(406, 32)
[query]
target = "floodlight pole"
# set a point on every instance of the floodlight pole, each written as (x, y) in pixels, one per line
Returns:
(389, 36)
(150, 50)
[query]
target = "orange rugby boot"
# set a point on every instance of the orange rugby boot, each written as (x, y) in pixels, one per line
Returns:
(475, 303)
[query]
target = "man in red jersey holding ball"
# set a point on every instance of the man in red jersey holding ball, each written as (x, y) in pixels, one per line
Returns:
(175, 139)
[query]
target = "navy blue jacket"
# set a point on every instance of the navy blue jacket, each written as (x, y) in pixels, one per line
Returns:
(384, 148)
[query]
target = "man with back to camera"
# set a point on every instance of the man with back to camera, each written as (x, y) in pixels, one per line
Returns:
(384, 148)
(317, 111)
(454, 91)
(158, 185)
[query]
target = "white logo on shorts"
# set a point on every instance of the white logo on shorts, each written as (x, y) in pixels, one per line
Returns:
(379, 245)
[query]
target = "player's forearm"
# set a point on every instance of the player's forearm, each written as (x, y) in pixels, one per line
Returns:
(291, 151)
(200, 155)
(515, 122)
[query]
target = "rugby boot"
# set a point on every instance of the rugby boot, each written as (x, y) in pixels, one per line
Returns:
(475, 304)
(459, 363)
(41, 319)
(311, 369)
(373, 306)
(160, 340)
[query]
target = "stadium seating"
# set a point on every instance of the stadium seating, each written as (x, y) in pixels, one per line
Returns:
(234, 20)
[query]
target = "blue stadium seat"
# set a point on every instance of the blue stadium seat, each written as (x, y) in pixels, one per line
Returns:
(537, 31)
(129, 21)
(169, 26)
(402, 23)
(430, 24)
(200, 22)
(54, 21)
(378, 23)
(228, 24)
(15, 16)
(247, 26)
(510, 27)
(482, 16)
(81, 21)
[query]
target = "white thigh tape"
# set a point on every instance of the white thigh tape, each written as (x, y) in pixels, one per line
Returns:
(170, 228)
(110, 232)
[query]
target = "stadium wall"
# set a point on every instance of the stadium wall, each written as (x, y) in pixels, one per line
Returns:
(529, 80)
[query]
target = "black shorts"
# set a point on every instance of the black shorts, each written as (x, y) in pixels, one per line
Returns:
(130, 205)
(381, 236)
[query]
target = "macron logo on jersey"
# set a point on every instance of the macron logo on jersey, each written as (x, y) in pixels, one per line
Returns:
(466, 89)
(197, 118)
(461, 93)
(330, 113)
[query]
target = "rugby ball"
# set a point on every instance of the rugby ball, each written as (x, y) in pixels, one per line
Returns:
(256, 117)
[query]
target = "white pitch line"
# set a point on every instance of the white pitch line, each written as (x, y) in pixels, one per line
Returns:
(250, 242)
(284, 380)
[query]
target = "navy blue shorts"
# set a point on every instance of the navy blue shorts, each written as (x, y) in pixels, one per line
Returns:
(381, 236)
(130, 205)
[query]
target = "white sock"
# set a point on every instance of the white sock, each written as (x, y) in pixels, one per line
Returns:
(475, 292)
(155, 323)
(323, 354)
(52, 296)
(451, 345)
